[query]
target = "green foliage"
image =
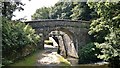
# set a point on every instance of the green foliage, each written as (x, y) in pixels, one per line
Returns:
(87, 54)
(81, 11)
(61, 10)
(9, 7)
(42, 13)
(66, 10)
(107, 29)
(16, 37)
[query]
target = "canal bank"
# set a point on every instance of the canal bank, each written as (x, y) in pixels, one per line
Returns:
(49, 60)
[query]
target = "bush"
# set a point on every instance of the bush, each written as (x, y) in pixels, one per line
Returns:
(87, 54)
(17, 38)
(107, 28)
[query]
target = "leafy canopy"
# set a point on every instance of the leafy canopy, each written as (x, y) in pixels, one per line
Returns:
(106, 29)
(9, 7)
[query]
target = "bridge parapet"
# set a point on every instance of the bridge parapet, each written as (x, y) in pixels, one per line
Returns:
(57, 23)
(77, 30)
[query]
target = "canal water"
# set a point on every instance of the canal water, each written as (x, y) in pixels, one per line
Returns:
(74, 62)
(47, 57)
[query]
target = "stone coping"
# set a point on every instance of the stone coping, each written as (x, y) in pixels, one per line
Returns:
(51, 20)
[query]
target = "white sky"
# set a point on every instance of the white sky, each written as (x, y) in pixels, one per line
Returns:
(31, 7)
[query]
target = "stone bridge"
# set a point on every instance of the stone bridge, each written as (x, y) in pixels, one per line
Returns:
(76, 30)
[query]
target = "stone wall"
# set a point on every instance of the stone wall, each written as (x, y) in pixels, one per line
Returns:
(77, 30)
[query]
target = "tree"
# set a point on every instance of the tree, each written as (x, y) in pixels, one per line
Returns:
(9, 7)
(62, 10)
(107, 28)
(72, 10)
(41, 13)
(56, 11)
(66, 10)
(82, 12)
(18, 40)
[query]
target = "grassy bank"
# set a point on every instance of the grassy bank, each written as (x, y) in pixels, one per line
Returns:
(28, 60)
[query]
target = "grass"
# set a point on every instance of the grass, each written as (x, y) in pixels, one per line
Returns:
(63, 61)
(28, 60)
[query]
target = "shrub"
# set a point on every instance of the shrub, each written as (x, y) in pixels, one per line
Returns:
(87, 54)
(15, 38)
(107, 29)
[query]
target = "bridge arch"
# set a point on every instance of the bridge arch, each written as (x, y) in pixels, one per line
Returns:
(66, 42)
(76, 30)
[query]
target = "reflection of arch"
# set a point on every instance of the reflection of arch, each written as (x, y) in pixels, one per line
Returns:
(66, 44)
(56, 39)
(70, 33)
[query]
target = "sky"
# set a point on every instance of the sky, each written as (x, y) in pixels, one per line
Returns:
(31, 7)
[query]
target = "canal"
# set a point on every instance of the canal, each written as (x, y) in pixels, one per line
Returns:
(48, 58)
